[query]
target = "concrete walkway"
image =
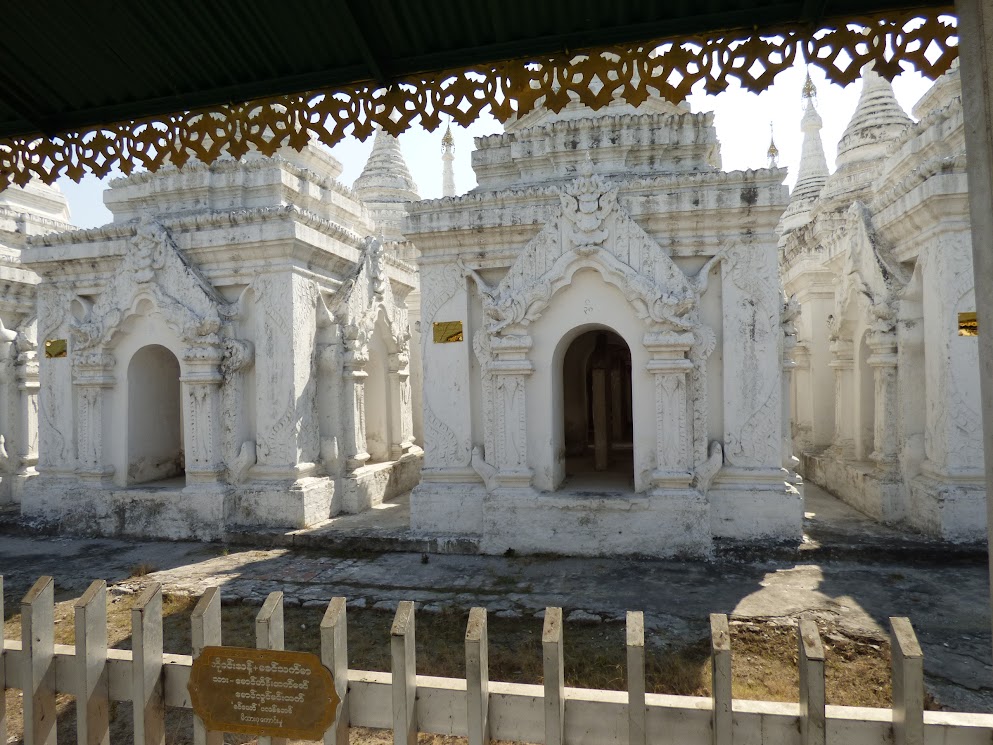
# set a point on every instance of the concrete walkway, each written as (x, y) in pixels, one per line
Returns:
(946, 601)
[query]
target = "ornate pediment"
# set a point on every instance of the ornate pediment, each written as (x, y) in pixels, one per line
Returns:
(870, 275)
(362, 296)
(592, 231)
(154, 269)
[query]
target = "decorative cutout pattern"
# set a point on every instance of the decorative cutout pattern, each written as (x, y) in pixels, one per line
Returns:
(923, 40)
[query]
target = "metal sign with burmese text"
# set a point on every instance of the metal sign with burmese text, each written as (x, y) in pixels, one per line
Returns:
(263, 692)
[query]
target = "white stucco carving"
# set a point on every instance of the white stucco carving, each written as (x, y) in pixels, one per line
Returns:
(903, 442)
(197, 328)
(590, 266)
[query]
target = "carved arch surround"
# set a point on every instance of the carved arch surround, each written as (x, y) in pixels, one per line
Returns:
(154, 269)
(593, 232)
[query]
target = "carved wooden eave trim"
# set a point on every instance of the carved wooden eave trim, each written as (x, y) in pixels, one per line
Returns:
(668, 68)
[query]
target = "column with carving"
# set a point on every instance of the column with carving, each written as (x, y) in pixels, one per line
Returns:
(354, 375)
(673, 438)
(802, 424)
(201, 381)
(401, 420)
(842, 362)
(287, 437)
(8, 410)
(511, 369)
(28, 385)
(790, 312)
(92, 376)
(883, 361)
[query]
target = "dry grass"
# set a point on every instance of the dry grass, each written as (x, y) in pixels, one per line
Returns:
(764, 659)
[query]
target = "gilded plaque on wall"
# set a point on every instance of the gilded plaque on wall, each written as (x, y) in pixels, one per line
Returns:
(447, 331)
(968, 324)
(55, 348)
(263, 692)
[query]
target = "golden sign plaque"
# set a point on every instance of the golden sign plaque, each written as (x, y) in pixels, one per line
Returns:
(446, 331)
(263, 692)
(968, 324)
(55, 348)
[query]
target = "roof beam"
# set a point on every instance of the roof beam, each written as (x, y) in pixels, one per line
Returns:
(370, 57)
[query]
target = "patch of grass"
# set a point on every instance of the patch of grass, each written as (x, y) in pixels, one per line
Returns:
(141, 570)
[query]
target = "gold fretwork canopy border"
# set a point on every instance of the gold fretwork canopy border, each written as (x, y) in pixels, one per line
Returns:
(923, 40)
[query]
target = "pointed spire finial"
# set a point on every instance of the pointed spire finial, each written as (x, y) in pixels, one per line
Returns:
(773, 151)
(447, 160)
(809, 94)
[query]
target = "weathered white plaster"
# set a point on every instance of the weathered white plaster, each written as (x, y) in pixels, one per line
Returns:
(620, 224)
(891, 227)
(218, 334)
(32, 210)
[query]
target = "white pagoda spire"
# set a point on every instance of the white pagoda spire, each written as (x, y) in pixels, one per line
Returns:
(385, 185)
(813, 171)
(447, 160)
(386, 177)
(877, 121)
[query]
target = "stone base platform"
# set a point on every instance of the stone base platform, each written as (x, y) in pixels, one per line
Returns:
(948, 508)
(373, 484)
(873, 490)
(953, 510)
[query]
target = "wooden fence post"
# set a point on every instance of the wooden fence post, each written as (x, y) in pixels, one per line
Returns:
(404, 675)
(812, 722)
(636, 677)
(269, 635)
(551, 644)
(477, 678)
(334, 655)
(146, 667)
(908, 683)
(38, 650)
(720, 667)
(93, 694)
(206, 632)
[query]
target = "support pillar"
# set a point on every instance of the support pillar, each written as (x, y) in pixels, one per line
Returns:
(976, 54)
(354, 376)
(673, 436)
(92, 375)
(202, 392)
(28, 385)
(8, 415)
(511, 369)
(843, 362)
(401, 421)
(790, 311)
(883, 361)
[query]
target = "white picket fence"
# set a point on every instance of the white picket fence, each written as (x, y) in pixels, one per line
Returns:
(475, 707)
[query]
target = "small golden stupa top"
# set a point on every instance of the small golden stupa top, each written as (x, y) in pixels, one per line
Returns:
(773, 151)
(809, 89)
(447, 141)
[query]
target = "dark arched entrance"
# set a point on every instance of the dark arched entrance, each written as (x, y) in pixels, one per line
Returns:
(596, 385)
(155, 416)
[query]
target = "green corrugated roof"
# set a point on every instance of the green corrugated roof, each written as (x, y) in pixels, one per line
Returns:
(67, 64)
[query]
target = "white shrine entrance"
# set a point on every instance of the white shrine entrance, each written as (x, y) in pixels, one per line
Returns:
(596, 413)
(155, 417)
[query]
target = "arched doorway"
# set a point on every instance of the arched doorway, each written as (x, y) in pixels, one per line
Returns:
(155, 417)
(598, 422)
